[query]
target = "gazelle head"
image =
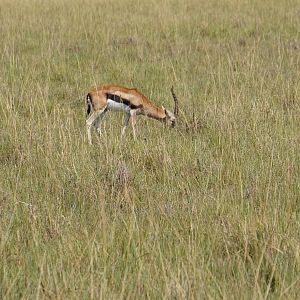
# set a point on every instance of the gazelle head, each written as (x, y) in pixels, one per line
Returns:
(171, 117)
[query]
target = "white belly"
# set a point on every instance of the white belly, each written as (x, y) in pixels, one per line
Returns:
(116, 106)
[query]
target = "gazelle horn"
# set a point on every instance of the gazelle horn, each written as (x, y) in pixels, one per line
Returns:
(176, 110)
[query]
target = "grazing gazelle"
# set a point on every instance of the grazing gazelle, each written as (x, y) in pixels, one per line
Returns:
(117, 98)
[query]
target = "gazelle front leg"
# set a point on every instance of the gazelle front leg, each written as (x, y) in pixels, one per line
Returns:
(133, 122)
(126, 120)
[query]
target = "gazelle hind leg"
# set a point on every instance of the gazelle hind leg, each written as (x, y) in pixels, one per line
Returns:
(97, 122)
(90, 122)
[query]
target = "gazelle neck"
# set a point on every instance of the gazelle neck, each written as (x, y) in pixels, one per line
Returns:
(155, 112)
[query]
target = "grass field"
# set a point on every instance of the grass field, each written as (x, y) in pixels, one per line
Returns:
(208, 210)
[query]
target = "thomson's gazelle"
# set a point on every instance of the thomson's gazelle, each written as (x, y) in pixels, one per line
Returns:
(117, 98)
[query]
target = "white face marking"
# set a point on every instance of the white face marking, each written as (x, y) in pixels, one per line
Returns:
(170, 118)
(115, 106)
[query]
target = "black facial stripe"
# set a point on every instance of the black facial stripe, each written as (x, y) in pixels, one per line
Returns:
(118, 99)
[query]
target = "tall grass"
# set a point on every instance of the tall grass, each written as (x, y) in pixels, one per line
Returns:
(208, 210)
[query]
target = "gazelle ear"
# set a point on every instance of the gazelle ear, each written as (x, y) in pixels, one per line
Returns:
(166, 112)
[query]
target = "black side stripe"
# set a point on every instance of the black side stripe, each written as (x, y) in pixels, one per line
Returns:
(118, 99)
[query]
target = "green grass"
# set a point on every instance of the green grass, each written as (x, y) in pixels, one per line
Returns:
(208, 210)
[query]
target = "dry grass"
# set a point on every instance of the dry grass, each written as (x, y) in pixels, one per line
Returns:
(208, 210)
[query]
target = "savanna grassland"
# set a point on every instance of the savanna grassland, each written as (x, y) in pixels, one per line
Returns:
(208, 210)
